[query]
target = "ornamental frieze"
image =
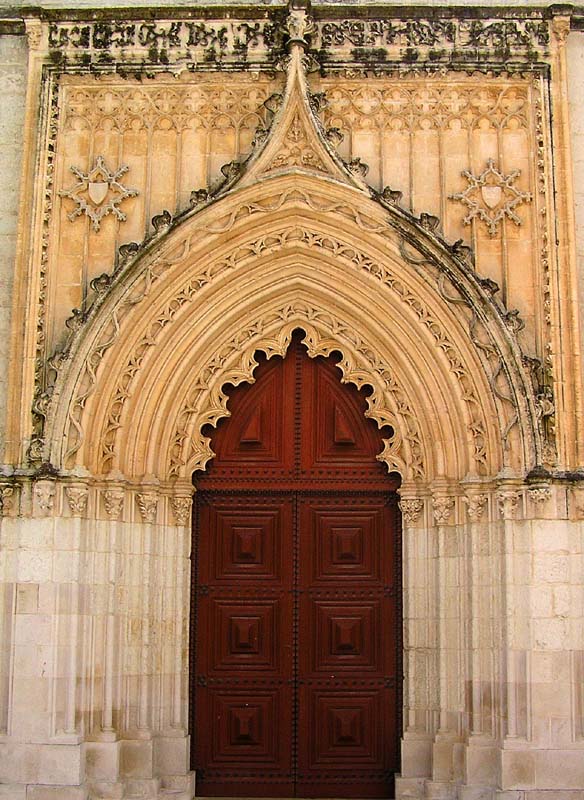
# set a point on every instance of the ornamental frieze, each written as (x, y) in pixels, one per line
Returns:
(381, 41)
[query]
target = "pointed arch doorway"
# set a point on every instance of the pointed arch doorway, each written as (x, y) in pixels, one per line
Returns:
(296, 609)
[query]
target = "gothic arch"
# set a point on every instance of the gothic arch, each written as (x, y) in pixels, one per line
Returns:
(184, 316)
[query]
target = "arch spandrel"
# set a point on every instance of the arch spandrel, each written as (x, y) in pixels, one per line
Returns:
(450, 360)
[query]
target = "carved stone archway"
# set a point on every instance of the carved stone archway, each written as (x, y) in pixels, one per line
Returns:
(293, 238)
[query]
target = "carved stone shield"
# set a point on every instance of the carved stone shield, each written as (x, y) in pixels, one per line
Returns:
(491, 195)
(97, 191)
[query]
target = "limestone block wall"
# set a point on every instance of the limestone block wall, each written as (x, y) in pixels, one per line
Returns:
(13, 77)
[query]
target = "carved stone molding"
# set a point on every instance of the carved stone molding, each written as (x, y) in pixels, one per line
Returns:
(77, 498)
(411, 509)
(148, 505)
(442, 508)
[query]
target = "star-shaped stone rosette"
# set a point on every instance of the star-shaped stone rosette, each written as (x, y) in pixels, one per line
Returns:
(491, 196)
(98, 193)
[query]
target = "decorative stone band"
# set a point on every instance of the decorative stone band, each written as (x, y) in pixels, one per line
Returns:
(421, 505)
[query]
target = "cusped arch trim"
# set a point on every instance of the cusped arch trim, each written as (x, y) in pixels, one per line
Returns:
(387, 405)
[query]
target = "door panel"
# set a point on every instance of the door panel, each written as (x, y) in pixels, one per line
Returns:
(243, 694)
(296, 623)
(347, 639)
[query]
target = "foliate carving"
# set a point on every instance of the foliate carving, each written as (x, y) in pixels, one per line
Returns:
(113, 500)
(181, 507)
(297, 151)
(77, 499)
(491, 196)
(299, 25)
(44, 496)
(411, 509)
(98, 193)
(475, 505)
(508, 503)
(539, 495)
(148, 505)
(442, 508)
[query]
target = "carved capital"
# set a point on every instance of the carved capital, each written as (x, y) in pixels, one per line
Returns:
(77, 499)
(148, 505)
(113, 500)
(411, 509)
(181, 507)
(442, 508)
(34, 33)
(508, 503)
(44, 497)
(560, 29)
(539, 495)
(576, 503)
(6, 497)
(475, 505)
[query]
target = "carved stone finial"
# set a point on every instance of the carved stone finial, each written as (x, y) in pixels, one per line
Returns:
(299, 24)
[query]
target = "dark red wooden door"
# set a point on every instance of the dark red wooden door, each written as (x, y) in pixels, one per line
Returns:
(296, 607)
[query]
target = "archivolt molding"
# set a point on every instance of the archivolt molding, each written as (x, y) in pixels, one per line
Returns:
(351, 258)
(177, 257)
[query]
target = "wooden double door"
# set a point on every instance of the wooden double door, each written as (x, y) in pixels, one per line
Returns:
(296, 595)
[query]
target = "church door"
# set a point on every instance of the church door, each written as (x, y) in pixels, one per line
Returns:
(296, 626)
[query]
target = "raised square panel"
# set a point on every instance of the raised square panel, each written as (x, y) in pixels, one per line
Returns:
(345, 541)
(246, 728)
(246, 540)
(346, 729)
(245, 636)
(348, 636)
